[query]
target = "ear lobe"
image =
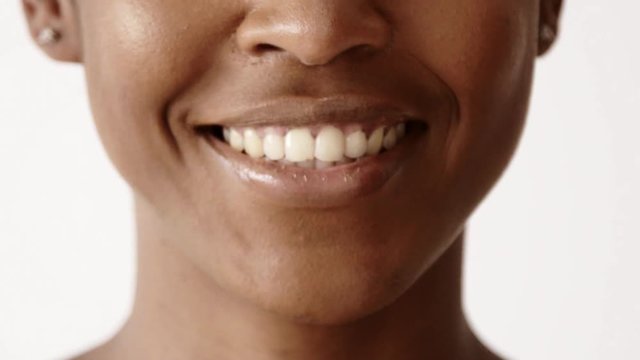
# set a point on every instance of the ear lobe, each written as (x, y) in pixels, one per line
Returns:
(54, 27)
(548, 24)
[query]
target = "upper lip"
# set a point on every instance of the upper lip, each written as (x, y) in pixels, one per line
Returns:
(303, 111)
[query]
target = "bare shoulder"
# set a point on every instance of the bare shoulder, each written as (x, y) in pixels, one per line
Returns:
(484, 353)
(487, 354)
(106, 351)
(99, 353)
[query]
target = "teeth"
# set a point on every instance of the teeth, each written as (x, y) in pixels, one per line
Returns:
(236, 140)
(356, 145)
(375, 142)
(390, 139)
(331, 147)
(253, 144)
(274, 146)
(323, 164)
(344, 161)
(307, 164)
(299, 145)
(330, 144)
(401, 130)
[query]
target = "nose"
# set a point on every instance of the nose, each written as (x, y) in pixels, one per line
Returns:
(315, 32)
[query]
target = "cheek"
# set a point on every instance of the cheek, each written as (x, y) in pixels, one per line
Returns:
(138, 56)
(485, 55)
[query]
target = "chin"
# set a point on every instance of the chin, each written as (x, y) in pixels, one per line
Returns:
(314, 266)
(329, 298)
(332, 282)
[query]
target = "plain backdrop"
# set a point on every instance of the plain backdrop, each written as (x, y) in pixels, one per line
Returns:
(551, 268)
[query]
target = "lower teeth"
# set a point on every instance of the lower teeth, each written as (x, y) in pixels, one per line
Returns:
(315, 164)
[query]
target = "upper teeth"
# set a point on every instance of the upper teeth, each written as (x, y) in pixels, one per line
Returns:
(298, 145)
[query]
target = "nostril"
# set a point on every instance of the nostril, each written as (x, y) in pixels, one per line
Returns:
(312, 32)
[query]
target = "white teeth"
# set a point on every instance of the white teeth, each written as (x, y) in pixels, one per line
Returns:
(323, 164)
(236, 140)
(374, 144)
(253, 144)
(274, 146)
(356, 145)
(390, 139)
(299, 148)
(330, 144)
(307, 164)
(401, 130)
(299, 145)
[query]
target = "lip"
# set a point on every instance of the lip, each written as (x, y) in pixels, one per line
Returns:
(297, 187)
(306, 111)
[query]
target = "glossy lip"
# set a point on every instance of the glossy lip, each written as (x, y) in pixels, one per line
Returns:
(292, 186)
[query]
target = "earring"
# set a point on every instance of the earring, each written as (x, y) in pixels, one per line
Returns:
(547, 34)
(48, 36)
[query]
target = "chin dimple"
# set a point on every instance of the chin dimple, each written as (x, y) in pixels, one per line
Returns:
(322, 148)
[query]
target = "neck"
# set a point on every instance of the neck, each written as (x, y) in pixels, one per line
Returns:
(180, 313)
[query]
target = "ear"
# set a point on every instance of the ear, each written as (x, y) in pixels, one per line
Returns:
(53, 25)
(548, 24)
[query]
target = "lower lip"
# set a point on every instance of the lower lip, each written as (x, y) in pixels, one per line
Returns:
(293, 186)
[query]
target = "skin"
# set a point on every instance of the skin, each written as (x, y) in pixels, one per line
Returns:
(225, 275)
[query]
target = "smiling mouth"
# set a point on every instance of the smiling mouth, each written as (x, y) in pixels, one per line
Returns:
(315, 153)
(320, 146)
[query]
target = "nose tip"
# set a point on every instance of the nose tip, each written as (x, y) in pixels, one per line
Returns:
(314, 32)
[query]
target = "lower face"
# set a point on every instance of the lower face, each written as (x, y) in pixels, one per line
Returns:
(322, 218)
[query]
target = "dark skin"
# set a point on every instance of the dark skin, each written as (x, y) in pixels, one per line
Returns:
(225, 274)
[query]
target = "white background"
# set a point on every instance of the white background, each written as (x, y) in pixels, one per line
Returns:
(552, 268)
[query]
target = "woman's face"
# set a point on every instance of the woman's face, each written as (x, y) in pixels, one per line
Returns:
(318, 245)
